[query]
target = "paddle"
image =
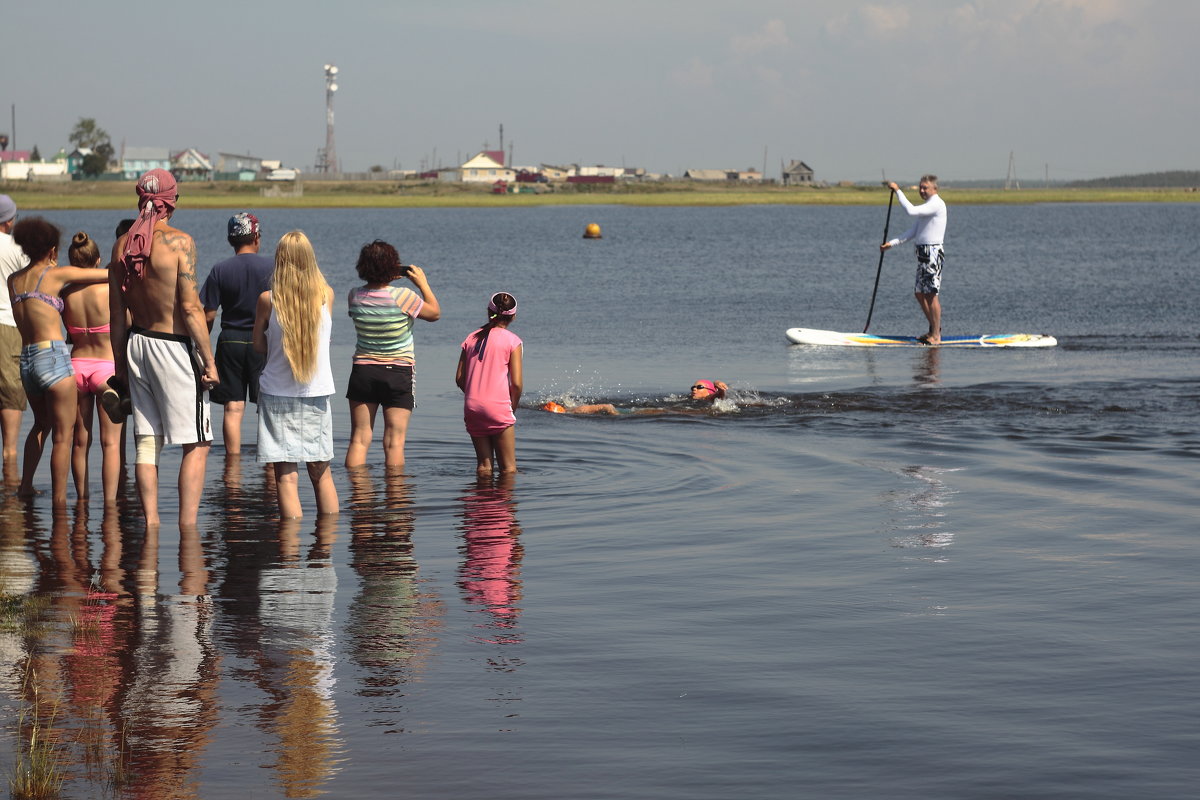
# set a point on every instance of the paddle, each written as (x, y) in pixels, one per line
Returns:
(886, 222)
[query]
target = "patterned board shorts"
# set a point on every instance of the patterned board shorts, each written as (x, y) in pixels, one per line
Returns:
(930, 258)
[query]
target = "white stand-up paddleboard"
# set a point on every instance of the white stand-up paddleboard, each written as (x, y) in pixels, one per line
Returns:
(834, 338)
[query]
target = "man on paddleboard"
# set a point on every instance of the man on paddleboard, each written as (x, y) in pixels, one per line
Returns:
(927, 233)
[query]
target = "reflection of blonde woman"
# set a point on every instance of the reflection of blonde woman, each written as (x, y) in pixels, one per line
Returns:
(295, 421)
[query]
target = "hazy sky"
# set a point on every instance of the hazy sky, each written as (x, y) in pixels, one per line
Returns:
(1087, 88)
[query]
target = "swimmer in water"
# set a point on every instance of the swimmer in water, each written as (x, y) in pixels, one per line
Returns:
(708, 391)
(704, 391)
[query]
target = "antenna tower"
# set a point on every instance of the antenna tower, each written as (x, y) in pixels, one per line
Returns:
(327, 158)
(1011, 181)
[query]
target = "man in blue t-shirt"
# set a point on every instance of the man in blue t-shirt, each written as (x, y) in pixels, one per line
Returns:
(234, 286)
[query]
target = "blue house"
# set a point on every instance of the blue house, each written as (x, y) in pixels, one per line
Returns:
(137, 160)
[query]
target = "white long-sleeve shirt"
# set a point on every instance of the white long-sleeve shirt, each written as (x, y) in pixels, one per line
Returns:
(929, 227)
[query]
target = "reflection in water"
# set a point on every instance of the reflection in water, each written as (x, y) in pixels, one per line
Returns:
(18, 576)
(167, 704)
(490, 571)
(490, 578)
(921, 516)
(277, 601)
(122, 680)
(928, 363)
(296, 657)
(393, 625)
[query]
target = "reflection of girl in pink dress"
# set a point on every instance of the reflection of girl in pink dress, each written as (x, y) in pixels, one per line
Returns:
(490, 572)
(489, 374)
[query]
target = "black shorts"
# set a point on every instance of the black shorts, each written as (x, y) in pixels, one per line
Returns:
(239, 368)
(391, 386)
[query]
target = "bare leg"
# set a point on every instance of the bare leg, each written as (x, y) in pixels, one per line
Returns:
(10, 429)
(483, 455)
(231, 426)
(147, 487)
(505, 445)
(287, 490)
(323, 485)
(931, 307)
(362, 428)
(191, 480)
(395, 431)
(63, 398)
(83, 443)
(112, 441)
(35, 442)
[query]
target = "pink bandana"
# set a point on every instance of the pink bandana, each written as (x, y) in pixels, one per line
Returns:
(157, 193)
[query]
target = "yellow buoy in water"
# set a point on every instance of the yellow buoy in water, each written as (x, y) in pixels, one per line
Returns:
(592, 231)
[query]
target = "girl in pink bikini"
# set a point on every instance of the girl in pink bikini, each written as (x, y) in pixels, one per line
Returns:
(489, 374)
(85, 313)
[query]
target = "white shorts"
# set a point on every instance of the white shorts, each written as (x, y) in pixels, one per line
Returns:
(165, 388)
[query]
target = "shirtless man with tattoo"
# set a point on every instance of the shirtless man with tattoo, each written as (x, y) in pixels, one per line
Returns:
(164, 355)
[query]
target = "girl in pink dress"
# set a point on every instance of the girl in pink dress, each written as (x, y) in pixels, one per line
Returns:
(489, 374)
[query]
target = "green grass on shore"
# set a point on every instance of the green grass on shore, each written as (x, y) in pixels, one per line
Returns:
(106, 195)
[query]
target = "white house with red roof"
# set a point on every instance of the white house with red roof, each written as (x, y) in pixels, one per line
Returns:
(486, 166)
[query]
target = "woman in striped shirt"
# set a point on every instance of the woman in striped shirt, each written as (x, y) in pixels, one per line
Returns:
(382, 373)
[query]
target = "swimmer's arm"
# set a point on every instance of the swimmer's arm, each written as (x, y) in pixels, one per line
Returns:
(190, 307)
(460, 373)
(595, 408)
(515, 375)
(262, 315)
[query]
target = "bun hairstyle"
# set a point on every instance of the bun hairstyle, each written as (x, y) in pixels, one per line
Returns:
(502, 304)
(83, 251)
(502, 309)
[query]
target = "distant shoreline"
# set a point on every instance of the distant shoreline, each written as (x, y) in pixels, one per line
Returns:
(115, 195)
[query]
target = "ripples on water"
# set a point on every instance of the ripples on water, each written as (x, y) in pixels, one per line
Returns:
(905, 574)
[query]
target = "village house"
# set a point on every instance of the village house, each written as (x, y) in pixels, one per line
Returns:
(135, 161)
(748, 176)
(191, 165)
(16, 165)
(234, 166)
(797, 173)
(486, 166)
(75, 159)
(557, 174)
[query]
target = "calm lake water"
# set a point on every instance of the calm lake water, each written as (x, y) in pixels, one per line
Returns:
(901, 573)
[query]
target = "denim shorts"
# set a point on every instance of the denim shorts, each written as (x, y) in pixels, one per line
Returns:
(44, 364)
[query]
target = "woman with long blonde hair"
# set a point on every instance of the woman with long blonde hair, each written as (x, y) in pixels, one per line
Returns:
(292, 326)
